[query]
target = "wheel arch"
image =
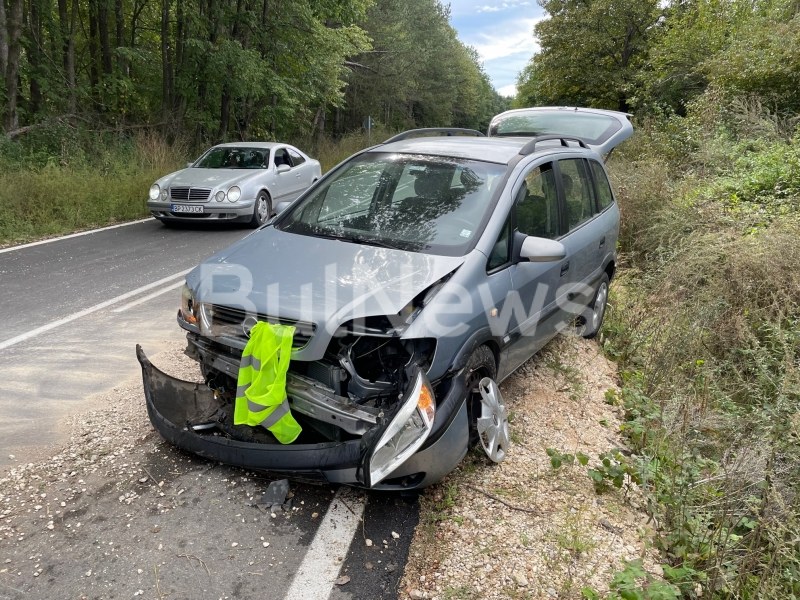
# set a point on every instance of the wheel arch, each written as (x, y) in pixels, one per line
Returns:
(610, 269)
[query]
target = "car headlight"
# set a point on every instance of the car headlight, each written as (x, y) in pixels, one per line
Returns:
(190, 310)
(164, 194)
(234, 194)
(220, 196)
(155, 191)
(406, 432)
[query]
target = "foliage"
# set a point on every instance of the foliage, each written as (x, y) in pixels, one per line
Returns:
(634, 583)
(417, 72)
(706, 323)
(213, 70)
(591, 52)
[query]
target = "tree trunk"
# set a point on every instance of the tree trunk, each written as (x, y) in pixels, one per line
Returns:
(3, 39)
(318, 130)
(35, 55)
(119, 39)
(166, 61)
(138, 7)
(67, 28)
(105, 40)
(180, 33)
(224, 112)
(94, 47)
(14, 28)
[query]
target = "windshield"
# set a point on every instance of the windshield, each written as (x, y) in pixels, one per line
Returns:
(239, 157)
(436, 205)
(592, 127)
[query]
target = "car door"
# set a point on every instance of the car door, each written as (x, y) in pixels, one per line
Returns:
(287, 183)
(303, 170)
(587, 236)
(582, 239)
(532, 309)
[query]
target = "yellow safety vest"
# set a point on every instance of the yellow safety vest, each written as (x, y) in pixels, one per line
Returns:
(261, 386)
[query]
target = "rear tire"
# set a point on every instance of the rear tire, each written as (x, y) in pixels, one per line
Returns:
(262, 209)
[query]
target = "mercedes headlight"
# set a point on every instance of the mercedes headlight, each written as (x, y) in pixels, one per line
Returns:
(234, 194)
(220, 196)
(406, 432)
(155, 191)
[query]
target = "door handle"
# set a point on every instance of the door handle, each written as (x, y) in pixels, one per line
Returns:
(564, 268)
(602, 243)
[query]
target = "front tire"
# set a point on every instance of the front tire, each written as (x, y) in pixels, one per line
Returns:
(480, 364)
(595, 313)
(262, 209)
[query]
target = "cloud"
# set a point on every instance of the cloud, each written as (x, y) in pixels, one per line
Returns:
(502, 6)
(514, 37)
(508, 90)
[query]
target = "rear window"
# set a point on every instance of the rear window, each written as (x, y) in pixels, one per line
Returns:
(604, 196)
(591, 127)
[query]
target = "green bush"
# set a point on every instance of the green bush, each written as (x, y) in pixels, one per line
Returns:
(705, 321)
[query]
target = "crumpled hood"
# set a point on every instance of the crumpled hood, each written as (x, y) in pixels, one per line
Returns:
(322, 281)
(208, 178)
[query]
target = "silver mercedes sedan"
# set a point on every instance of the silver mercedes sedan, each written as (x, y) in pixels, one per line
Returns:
(237, 182)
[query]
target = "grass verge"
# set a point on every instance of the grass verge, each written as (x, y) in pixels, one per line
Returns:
(705, 322)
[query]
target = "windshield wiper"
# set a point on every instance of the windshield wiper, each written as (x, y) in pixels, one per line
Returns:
(367, 242)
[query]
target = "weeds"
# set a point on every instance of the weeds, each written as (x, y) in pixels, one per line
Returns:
(705, 322)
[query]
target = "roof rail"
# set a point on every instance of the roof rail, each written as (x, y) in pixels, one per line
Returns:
(424, 132)
(531, 146)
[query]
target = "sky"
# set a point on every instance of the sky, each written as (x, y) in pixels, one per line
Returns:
(501, 32)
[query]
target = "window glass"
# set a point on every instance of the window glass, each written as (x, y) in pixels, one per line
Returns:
(349, 196)
(501, 252)
(297, 159)
(282, 157)
(431, 204)
(604, 196)
(537, 203)
(591, 127)
(228, 157)
(577, 191)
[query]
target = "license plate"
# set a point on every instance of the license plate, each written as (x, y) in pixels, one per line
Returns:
(185, 208)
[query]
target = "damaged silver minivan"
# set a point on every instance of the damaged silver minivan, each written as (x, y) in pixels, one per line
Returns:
(418, 274)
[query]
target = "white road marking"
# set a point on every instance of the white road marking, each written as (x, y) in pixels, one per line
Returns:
(87, 311)
(139, 301)
(316, 576)
(71, 235)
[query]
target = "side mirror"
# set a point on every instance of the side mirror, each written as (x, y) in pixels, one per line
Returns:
(282, 206)
(283, 168)
(189, 164)
(536, 249)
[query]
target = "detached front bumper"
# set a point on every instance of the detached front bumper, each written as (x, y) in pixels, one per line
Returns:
(181, 411)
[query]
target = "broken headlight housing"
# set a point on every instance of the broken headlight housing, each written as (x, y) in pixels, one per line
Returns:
(406, 432)
(190, 309)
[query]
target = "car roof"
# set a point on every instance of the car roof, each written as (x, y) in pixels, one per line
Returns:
(497, 149)
(265, 145)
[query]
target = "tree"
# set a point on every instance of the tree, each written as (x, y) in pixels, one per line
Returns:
(14, 33)
(417, 72)
(592, 50)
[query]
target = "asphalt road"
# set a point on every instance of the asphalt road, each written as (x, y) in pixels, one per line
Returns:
(72, 311)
